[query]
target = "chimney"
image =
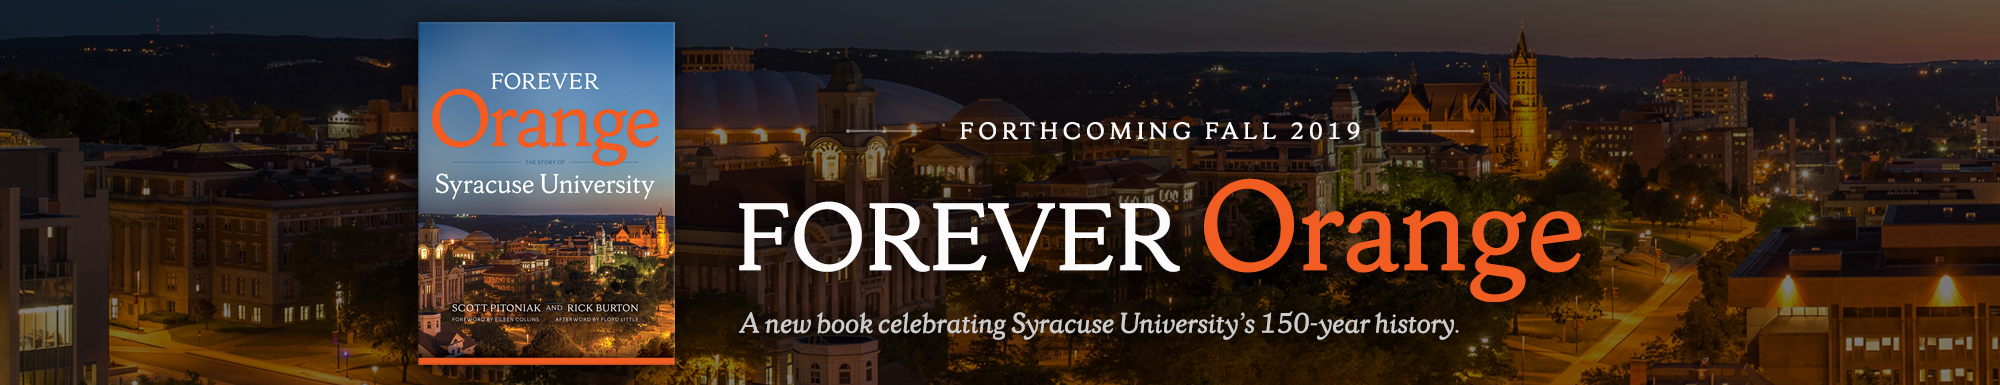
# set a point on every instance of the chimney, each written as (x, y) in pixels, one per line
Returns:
(1638, 371)
(1792, 151)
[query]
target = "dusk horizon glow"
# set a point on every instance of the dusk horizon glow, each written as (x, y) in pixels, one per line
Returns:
(1794, 30)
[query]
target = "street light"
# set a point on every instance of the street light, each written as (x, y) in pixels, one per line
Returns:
(378, 373)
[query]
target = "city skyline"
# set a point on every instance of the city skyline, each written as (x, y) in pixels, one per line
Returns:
(1846, 31)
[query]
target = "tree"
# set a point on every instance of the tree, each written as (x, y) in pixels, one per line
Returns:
(1615, 375)
(1573, 188)
(1869, 376)
(365, 271)
(903, 174)
(203, 309)
(169, 119)
(1631, 181)
(294, 124)
(1660, 207)
(1784, 211)
(776, 159)
(262, 111)
(715, 346)
(188, 378)
(550, 341)
(492, 338)
(221, 106)
(46, 105)
(1033, 168)
(657, 347)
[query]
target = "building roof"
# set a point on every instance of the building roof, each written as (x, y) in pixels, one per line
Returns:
(283, 138)
(773, 100)
(446, 232)
(1174, 175)
(192, 163)
(962, 150)
(1468, 149)
(504, 270)
(990, 110)
(221, 149)
(1135, 183)
(1450, 101)
(1268, 153)
(301, 183)
(438, 345)
(479, 237)
(1412, 137)
(1898, 195)
(12, 138)
(1942, 214)
(1103, 173)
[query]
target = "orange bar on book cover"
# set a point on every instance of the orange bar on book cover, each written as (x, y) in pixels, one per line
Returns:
(545, 361)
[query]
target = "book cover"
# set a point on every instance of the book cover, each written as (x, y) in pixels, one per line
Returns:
(547, 193)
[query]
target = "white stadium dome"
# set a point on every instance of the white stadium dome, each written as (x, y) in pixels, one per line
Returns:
(771, 99)
(448, 233)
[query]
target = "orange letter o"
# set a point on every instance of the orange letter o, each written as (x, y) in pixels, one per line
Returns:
(1284, 232)
(437, 126)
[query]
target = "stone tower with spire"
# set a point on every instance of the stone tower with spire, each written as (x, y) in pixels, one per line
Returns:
(662, 246)
(1530, 118)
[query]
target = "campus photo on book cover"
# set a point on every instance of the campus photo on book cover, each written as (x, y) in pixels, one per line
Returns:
(547, 236)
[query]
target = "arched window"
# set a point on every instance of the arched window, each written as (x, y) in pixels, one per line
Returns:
(826, 158)
(846, 377)
(875, 157)
(868, 374)
(815, 374)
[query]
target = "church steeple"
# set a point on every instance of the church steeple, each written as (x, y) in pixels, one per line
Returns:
(1521, 50)
(1529, 119)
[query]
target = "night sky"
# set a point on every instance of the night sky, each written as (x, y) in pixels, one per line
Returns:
(1870, 30)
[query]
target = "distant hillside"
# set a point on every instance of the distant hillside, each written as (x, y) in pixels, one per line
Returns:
(508, 227)
(205, 66)
(1058, 86)
(1090, 86)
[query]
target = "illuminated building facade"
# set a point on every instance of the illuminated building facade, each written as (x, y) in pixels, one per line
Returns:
(846, 167)
(1986, 131)
(1644, 135)
(826, 360)
(1507, 116)
(52, 246)
(210, 226)
(761, 118)
(1727, 99)
(384, 117)
(1912, 299)
(711, 60)
(1730, 151)
(1914, 181)
(442, 283)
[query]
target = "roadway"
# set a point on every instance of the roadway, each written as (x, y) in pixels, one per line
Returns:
(158, 354)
